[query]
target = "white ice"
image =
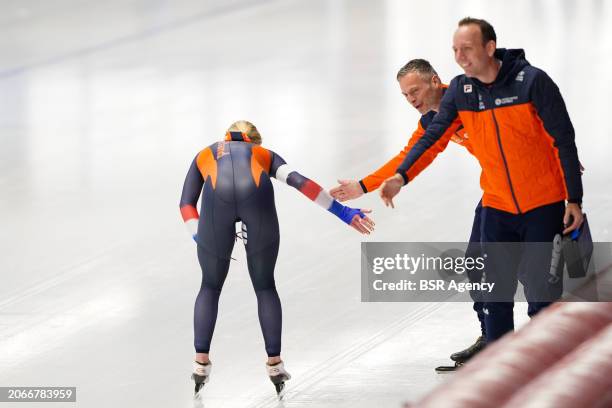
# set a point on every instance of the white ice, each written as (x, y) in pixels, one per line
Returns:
(103, 105)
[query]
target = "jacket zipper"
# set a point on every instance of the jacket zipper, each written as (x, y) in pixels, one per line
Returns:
(501, 149)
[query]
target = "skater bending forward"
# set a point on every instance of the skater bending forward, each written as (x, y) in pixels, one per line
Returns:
(234, 178)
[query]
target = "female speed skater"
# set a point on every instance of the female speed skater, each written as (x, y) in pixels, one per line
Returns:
(234, 178)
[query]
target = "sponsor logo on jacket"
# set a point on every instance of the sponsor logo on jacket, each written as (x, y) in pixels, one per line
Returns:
(505, 101)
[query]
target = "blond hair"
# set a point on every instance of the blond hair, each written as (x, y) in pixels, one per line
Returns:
(246, 128)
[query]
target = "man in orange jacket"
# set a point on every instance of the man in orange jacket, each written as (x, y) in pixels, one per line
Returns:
(522, 136)
(423, 89)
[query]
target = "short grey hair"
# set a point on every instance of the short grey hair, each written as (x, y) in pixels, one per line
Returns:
(421, 66)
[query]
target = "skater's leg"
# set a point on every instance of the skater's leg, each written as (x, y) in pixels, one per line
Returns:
(202, 358)
(261, 269)
(216, 236)
(214, 272)
(260, 223)
(205, 318)
(270, 320)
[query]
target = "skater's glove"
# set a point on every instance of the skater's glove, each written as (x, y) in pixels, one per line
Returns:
(344, 212)
(354, 217)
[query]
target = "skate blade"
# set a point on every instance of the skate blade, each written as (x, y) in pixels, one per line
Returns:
(198, 401)
(280, 390)
(198, 397)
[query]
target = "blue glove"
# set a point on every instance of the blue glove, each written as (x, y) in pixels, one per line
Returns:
(345, 213)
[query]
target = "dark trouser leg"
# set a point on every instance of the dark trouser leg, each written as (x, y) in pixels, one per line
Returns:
(539, 227)
(474, 250)
(478, 308)
(499, 319)
(501, 264)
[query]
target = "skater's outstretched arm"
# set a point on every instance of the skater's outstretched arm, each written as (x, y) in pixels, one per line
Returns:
(354, 217)
(189, 197)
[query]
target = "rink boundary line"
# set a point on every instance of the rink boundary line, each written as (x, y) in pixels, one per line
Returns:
(130, 38)
(314, 376)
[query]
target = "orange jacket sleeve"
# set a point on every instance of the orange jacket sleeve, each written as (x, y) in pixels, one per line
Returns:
(374, 180)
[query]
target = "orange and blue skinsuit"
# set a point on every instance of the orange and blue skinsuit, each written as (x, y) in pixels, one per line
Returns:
(234, 179)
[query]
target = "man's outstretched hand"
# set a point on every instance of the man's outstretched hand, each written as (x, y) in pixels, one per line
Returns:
(346, 190)
(390, 188)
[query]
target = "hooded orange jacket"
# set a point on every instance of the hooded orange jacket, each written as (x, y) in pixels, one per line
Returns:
(519, 131)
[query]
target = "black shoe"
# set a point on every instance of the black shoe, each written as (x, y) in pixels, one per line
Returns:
(464, 355)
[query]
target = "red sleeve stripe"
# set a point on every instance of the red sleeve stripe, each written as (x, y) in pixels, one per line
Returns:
(310, 189)
(189, 212)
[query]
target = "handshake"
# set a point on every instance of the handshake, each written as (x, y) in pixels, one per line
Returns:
(351, 189)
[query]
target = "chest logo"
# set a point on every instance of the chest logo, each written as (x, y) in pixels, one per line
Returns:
(467, 88)
(504, 101)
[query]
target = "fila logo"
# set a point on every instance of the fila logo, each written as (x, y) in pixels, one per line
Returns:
(520, 76)
(467, 88)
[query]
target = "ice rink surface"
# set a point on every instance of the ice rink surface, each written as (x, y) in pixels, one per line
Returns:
(103, 105)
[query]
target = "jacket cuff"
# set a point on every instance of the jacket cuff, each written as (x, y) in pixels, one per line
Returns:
(404, 176)
(363, 187)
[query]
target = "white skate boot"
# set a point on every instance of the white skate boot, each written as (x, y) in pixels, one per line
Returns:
(201, 374)
(278, 375)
